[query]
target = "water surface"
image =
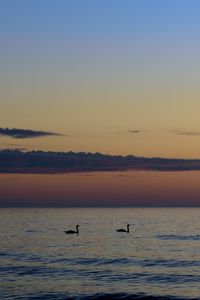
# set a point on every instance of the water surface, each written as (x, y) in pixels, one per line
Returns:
(160, 256)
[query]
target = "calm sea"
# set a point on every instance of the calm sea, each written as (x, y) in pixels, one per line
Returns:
(160, 257)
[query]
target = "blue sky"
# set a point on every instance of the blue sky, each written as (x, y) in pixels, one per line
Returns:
(93, 17)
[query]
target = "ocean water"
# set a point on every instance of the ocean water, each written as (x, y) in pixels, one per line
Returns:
(158, 259)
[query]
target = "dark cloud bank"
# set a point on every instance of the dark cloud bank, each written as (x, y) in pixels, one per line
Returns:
(24, 133)
(16, 161)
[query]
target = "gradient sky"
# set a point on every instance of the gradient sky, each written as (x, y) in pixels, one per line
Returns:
(95, 70)
(144, 188)
(110, 76)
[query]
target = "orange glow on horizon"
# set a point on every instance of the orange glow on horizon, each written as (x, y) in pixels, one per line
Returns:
(139, 188)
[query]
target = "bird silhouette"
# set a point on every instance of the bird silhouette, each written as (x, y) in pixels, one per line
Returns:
(124, 230)
(73, 231)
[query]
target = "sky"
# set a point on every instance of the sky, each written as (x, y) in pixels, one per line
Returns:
(111, 76)
(117, 77)
(107, 189)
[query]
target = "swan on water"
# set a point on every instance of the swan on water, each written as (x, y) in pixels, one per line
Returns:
(73, 231)
(124, 230)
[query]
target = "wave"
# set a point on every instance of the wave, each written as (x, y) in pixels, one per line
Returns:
(26, 270)
(87, 261)
(97, 296)
(103, 276)
(179, 237)
(16, 256)
(170, 263)
(101, 261)
(67, 260)
(124, 296)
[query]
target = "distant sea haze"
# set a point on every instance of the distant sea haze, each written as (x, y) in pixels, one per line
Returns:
(16, 161)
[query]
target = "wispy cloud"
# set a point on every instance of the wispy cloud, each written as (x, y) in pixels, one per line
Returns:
(25, 133)
(185, 132)
(13, 149)
(136, 131)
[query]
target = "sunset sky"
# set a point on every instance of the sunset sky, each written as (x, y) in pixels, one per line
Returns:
(110, 76)
(118, 77)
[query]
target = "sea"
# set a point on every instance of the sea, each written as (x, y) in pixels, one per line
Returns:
(158, 259)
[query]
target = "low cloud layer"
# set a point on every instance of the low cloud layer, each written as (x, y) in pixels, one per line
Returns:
(25, 133)
(15, 161)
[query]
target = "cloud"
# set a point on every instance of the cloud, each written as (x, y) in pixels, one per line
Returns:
(185, 132)
(13, 149)
(25, 133)
(16, 161)
(135, 131)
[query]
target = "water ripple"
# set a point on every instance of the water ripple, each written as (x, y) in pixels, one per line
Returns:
(96, 296)
(179, 237)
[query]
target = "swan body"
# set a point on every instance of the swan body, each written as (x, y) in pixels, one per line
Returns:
(73, 231)
(124, 230)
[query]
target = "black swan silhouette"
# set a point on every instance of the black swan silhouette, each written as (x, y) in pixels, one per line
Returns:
(124, 230)
(73, 231)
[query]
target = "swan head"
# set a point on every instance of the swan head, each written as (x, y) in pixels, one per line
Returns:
(128, 225)
(77, 226)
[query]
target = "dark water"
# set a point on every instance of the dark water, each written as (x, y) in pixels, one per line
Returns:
(159, 259)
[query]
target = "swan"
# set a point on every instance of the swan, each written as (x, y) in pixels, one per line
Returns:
(73, 231)
(124, 230)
